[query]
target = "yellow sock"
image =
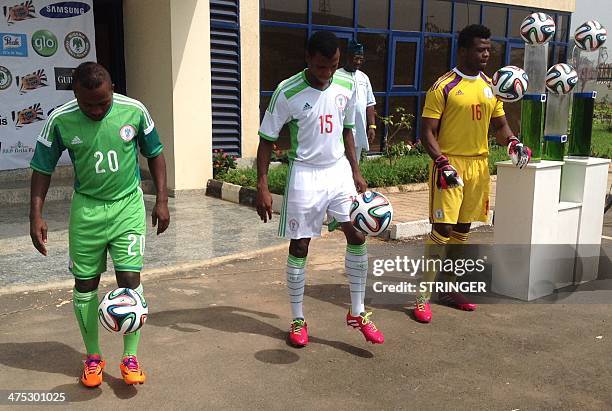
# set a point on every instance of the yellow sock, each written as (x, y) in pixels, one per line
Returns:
(454, 250)
(435, 248)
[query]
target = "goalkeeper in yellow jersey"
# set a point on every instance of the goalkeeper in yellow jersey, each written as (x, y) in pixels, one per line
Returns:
(455, 122)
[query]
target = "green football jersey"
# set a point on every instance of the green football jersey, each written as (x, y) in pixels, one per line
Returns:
(104, 153)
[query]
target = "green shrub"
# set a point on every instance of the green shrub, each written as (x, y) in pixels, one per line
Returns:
(411, 168)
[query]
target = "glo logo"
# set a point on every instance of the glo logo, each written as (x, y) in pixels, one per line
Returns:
(44, 43)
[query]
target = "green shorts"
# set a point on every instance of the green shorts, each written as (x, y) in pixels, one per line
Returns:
(98, 225)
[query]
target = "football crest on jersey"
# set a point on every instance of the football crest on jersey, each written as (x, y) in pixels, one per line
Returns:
(293, 225)
(341, 101)
(488, 92)
(127, 132)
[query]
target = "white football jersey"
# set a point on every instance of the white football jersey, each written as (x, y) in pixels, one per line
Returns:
(316, 118)
(363, 100)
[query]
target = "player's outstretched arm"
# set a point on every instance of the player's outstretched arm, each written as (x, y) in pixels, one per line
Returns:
(263, 202)
(160, 215)
(519, 153)
(38, 226)
(349, 151)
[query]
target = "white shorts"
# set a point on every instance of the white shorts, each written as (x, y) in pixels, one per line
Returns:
(310, 193)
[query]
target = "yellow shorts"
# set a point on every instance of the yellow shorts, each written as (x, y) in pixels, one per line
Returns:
(462, 204)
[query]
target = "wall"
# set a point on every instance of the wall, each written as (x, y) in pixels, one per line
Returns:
(249, 61)
(560, 5)
(167, 53)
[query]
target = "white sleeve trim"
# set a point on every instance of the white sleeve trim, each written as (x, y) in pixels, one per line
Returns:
(44, 141)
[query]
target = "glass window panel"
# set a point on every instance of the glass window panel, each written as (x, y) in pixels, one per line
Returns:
(562, 27)
(405, 61)
(343, 45)
(406, 15)
(282, 54)
(466, 14)
(373, 14)
(496, 59)
(438, 16)
(375, 66)
(516, 19)
(517, 56)
(513, 115)
(436, 60)
(375, 146)
(410, 104)
(332, 12)
(295, 11)
(558, 55)
(495, 19)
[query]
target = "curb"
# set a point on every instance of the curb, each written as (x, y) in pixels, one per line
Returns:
(396, 231)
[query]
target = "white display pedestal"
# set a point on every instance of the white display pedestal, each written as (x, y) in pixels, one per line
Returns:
(542, 221)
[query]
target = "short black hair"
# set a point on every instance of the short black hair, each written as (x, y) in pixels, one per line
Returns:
(471, 32)
(90, 75)
(323, 42)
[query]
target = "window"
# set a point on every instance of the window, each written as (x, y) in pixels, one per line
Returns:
(516, 19)
(496, 59)
(410, 104)
(436, 60)
(466, 14)
(282, 54)
(373, 14)
(405, 61)
(295, 11)
(562, 27)
(438, 16)
(495, 19)
(406, 15)
(332, 12)
(376, 46)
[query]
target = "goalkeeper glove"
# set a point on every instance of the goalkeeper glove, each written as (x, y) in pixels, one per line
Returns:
(446, 175)
(519, 153)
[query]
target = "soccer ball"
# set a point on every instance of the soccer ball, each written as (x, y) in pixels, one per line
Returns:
(371, 213)
(537, 28)
(123, 311)
(510, 83)
(590, 35)
(561, 78)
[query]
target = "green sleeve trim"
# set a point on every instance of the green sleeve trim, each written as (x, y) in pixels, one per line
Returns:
(40, 170)
(267, 137)
(155, 153)
(295, 90)
(349, 126)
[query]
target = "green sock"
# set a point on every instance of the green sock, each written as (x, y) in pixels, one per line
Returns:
(131, 340)
(86, 311)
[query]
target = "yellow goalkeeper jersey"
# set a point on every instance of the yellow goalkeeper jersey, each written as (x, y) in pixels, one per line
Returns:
(464, 105)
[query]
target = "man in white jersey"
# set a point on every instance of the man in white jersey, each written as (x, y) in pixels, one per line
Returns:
(319, 108)
(365, 114)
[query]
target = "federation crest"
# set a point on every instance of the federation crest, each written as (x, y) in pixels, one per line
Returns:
(6, 78)
(488, 92)
(77, 44)
(293, 225)
(127, 132)
(341, 101)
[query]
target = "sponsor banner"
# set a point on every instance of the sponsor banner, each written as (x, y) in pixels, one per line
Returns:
(41, 42)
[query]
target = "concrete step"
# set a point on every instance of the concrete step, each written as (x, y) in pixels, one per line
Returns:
(18, 191)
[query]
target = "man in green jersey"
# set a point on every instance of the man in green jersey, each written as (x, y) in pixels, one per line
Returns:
(102, 132)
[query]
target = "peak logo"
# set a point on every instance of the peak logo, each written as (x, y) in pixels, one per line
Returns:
(14, 45)
(64, 10)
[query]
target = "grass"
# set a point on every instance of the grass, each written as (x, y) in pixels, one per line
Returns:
(601, 141)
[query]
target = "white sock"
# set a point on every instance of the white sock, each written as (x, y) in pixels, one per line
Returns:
(296, 279)
(356, 264)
